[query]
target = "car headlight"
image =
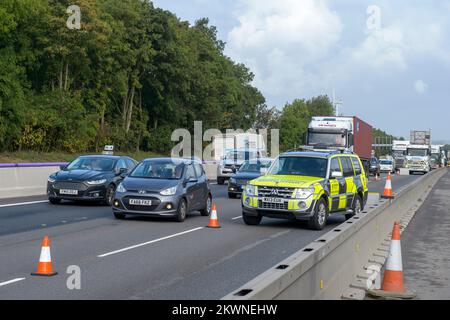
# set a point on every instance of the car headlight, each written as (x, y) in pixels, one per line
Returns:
(51, 179)
(96, 182)
(251, 190)
(121, 188)
(303, 193)
(169, 192)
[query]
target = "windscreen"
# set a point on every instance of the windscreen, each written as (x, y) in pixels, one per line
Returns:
(329, 139)
(164, 170)
(92, 163)
(418, 152)
(385, 162)
(301, 166)
(240, 155)
(253, 166)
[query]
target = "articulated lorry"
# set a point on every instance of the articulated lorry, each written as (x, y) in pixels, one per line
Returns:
(346, 133)
(418, 158)
(399, 149)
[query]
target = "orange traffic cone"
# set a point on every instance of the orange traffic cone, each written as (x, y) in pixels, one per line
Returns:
(393, 275)
(213, 221)
(392, 286)
(388, 194)
(45, 261)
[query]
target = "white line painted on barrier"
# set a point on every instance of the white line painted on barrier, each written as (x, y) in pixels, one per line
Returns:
(235, 218)
(149, 242)
(21, 203)
(11, 281)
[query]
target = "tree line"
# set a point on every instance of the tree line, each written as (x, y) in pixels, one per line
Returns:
(129, 76)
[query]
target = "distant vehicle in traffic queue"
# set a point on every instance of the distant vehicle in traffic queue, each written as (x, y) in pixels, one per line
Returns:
(307, 186)
(250, 170)
(387, 166)
(232, 161)
(164, 187)
(89, 178)
(374, 168)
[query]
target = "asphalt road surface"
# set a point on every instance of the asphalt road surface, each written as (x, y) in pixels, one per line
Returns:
(426, 246)
(143, 258)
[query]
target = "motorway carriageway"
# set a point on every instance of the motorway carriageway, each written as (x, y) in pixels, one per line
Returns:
(143, 258)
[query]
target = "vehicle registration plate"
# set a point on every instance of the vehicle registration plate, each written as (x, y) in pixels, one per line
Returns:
(273, 200)
(69, 192)
(140, 202)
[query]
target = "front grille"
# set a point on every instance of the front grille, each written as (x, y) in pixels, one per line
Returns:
(70, 185)
(276, 192)
(273, 206)
(155, 203)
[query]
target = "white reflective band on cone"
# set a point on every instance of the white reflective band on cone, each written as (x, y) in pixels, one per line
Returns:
(214, 215)
(45, 255)
(394, 261)
(389, 184)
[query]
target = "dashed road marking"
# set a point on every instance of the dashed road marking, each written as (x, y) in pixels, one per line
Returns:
(11, 281)
(235, 218)
(149, 242)
(21, 203)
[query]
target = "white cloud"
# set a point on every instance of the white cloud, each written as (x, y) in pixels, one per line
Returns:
(420, 86)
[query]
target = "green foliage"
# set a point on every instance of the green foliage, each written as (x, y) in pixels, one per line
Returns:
(128, 77)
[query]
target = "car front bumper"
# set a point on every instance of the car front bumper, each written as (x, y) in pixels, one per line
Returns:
(162, 206)
(85, 192)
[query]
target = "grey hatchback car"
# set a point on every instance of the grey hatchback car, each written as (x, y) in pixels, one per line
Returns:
(164, 187)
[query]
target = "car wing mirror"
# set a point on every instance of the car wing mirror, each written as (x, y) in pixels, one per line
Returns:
(62, 167)
(123, 171)
(336, 174)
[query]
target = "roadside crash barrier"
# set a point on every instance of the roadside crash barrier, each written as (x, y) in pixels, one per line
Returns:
(25, 179)
(337, 264)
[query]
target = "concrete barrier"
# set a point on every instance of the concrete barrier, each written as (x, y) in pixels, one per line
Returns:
(25, 179)
(326, 268)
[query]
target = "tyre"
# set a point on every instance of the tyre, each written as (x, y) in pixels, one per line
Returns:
(206, 211)
(54, 200)
(357, 207)
(119, 216)
(251, 220)
(220, 181)
(232, 195)
(320, 217)
(182, 211)
(109, 195)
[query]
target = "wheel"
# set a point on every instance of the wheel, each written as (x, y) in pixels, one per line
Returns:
(320, 217)
(232, 195)
(357, 207)
(220, 181)
(207, 210)
(251, 220)
(119, 216)
(182, 211)
(54, 200)
(109, 195)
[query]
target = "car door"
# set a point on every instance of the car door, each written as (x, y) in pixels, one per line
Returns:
(191, 187)
(202, 184)
(336, 184)
(350, 190)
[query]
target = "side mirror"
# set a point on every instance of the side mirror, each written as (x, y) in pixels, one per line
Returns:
(123, 171)
(337, 174)
(62, 167)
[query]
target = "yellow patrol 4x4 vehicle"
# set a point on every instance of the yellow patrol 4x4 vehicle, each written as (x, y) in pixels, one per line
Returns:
(307, 185)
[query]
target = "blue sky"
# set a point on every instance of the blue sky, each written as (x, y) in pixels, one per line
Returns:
(389, 61)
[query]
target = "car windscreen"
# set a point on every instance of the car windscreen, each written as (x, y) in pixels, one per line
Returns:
(157, 169)
(418, 152)
(301, 166)
(330, 139)
(388, 162)
(240, 155)
(92, 163)
(254, 166)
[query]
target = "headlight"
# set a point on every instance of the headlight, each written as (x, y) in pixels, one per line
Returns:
(303, 193)
(96, 182)
(170, 191)
(251, 190)
(51, 180)
(121, 188)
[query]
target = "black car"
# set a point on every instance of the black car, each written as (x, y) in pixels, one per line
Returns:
(164, 187)
(89, 178)
(249, 170)
(375, 167)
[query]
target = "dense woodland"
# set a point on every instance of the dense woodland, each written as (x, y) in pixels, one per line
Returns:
(131, 75)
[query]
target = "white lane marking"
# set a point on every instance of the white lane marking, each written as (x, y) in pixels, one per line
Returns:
(235, 218)
(21, 203)
(149, 242)
(11, 281)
